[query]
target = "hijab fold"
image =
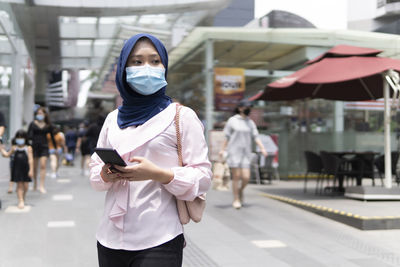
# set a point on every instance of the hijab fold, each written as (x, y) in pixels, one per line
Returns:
(136, 109)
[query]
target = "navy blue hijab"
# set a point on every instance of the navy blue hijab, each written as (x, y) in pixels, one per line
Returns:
(136, 109)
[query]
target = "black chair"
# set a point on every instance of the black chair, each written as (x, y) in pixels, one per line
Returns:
(314, 165)
(338, 167)
(362, 166)
(331, 167)
(267, 172)
(255, 167)
(380, 165)
(262, 173)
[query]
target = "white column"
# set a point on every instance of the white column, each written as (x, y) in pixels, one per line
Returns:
(41, 82)
(388, 155)
(209, 85)
(16, 98)
(29, 98)
(339, 117)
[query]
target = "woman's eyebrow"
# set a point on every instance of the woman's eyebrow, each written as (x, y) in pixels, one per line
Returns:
(141, 56)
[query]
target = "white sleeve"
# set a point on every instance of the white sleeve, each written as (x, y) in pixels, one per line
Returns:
(254, 131)
(228, 129)
(194, 179)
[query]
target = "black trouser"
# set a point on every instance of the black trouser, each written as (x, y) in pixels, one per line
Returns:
(167, 255)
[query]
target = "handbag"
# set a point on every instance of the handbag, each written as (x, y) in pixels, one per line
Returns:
(187, 210)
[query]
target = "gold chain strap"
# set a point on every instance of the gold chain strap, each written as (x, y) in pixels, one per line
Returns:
(178, 135)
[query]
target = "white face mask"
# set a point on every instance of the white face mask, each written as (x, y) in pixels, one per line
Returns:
(20, 141)
(40, 117)
(145, 80)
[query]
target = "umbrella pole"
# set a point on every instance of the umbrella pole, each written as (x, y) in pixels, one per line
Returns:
(388, 155)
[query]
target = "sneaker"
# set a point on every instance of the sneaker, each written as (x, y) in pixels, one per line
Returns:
(53, 175)
(236, 204)
(21, 205)
(221, 188)
(42, 190)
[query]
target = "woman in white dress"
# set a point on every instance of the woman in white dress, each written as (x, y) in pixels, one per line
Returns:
(240, 131)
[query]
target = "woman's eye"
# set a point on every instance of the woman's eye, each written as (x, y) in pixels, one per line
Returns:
(134, 62)
(156, 62)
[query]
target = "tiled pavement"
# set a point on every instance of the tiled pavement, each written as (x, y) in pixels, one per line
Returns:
(59, 227)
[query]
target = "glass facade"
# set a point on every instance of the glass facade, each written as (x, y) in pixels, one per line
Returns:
(310, 125)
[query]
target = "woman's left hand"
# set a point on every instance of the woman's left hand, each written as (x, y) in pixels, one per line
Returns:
(144, 170)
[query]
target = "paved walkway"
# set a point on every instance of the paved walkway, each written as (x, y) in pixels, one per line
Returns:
(57, 229)
(294, 190)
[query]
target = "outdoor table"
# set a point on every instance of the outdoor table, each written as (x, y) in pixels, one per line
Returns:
(364, 166)
(353, 153)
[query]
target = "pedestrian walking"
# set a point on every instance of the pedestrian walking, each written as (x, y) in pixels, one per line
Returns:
(240, 131)
(221, 174)
(83, 145)
(56, 152)
(140, 225)
(21, 165)
(93, 132)
(2, 126)
(2, 130)
(71, 138)
(37, 134)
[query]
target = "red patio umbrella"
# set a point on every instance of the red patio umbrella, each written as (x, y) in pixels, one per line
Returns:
(335, 75)
(346, 73)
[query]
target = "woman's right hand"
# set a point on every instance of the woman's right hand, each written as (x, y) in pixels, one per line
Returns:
(109, 176)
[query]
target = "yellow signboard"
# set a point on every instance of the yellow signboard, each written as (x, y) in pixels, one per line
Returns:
(229, 86)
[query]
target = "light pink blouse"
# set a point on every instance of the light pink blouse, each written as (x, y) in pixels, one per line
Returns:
(140, 215)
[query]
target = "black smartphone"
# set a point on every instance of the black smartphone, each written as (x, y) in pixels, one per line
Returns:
(110, 156)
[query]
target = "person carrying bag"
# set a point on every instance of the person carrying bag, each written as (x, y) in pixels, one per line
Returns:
(142, 224)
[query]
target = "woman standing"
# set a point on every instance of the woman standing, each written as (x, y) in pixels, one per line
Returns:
(240, 131)
(37, 133)
(140, 225)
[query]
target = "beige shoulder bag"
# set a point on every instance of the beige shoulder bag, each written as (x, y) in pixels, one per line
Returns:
(187, 209)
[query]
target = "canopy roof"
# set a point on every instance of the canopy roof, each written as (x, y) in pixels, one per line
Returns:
(78, 34)
(264, 53)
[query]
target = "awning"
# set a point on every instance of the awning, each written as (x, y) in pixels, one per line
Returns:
(262, 52)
